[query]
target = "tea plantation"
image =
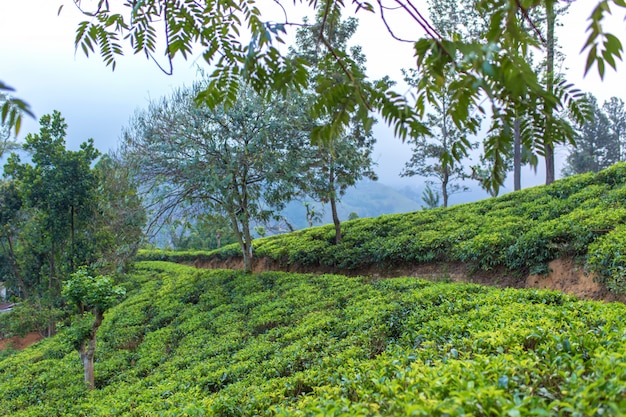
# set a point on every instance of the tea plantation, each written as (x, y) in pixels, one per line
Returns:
(188, 342)
(582, 217)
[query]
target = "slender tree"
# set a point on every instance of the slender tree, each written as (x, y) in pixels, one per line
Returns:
(597, 146)
(614, 110)
(337, 164)
(91, 297)
(439, 155)
(548, 140)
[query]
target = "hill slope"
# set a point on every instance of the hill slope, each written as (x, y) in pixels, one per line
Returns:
(581, 217)
(190, 342)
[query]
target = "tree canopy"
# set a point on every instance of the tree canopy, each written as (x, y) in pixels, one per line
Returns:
(244, 162)
(238, 44)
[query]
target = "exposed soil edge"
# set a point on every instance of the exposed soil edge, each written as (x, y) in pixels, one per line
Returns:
(565, 275)
(19, 342)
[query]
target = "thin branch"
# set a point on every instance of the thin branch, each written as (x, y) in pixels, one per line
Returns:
(417, 16)
(530, 21)
(167, 43)
(424, 20)
(382, 15)
(284, 11)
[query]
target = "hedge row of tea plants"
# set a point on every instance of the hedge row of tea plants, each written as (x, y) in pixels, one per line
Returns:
(582, 217)
(190, 342)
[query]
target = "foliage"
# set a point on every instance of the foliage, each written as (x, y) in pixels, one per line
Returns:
(11, 110)
(600, 140)
(199, 342)
(244, 162)
(87, 292)
(120, 218)
(204, 232)
(236, 42)
(56, 187)
(430, 198)
(519, 232)
(26, 317)
(341, 162)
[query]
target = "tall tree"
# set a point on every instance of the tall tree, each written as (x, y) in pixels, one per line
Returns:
(614, 110)
(439, 154)
(58, 186)
(597, 146)
(345, 159)
(548, 139)
(119, 218)
(244, 161)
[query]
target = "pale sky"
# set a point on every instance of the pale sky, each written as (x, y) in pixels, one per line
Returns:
(38, 59)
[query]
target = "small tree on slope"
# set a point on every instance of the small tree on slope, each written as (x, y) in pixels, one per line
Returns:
(91, 296)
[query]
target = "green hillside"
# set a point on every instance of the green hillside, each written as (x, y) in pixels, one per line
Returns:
(583, 217)
(190, 342)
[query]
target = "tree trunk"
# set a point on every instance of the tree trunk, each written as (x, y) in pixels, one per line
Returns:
(336, 221)
(517, 156)
(72, 248)
(548, 140)
(247, 247)
(87, 351)
(242, 240)
(333, 205)
(444, 187)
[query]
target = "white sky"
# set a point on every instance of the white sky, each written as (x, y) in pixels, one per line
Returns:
(38, 59)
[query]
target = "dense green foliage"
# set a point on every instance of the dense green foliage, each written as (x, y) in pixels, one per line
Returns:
(601, 140)
(190, 342)
(581, 216)
(60, 210)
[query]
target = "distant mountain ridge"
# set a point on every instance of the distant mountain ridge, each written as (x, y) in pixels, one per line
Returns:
(366, 199)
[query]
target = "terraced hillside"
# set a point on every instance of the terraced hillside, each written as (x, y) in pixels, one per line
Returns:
(580, 218)
(189, 342)
(199, 342)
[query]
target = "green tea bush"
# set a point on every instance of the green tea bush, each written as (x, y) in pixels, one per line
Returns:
(520, 232)
(223, 343)
(607, 258)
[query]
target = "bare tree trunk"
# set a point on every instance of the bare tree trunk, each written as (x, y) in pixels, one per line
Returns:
(336, 221)
(548, 140)
(247, 254)
(333, 205)
(243, 242)
(444, 187)
(87, 351)
(517, 156)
